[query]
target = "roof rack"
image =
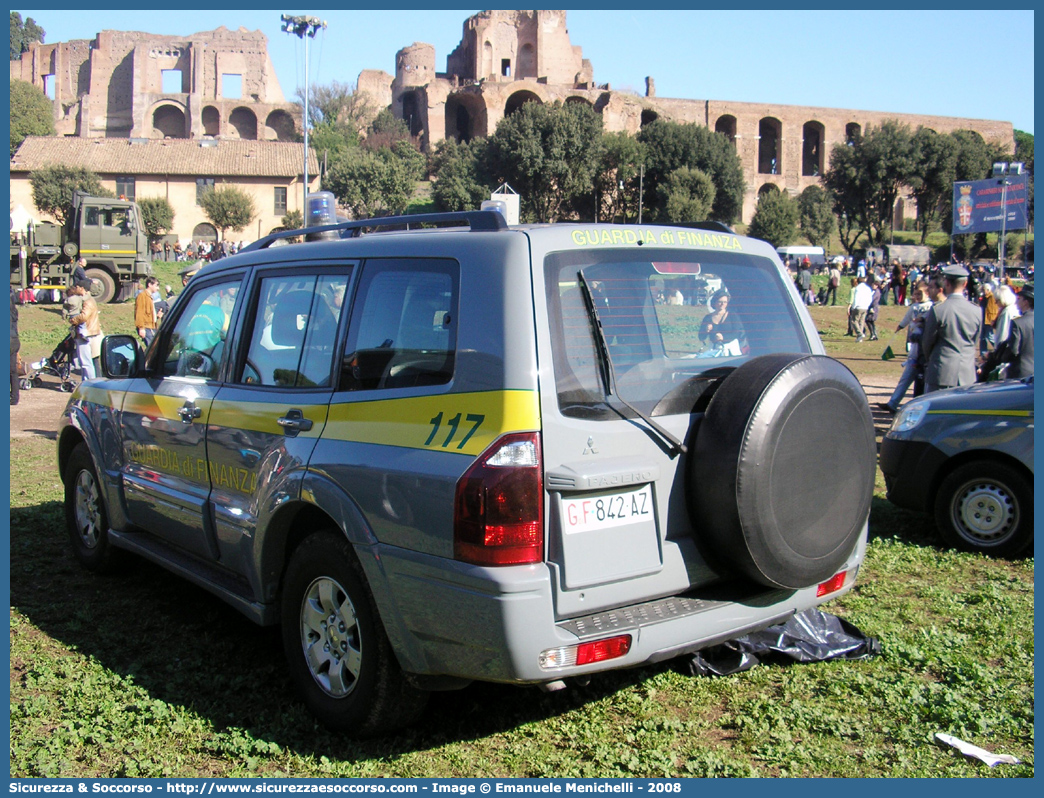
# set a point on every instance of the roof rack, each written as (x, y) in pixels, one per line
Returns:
(477, 221)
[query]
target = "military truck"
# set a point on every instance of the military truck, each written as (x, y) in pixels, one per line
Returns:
(109, 233)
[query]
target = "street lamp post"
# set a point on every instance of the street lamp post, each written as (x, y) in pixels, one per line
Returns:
(1001, 170)
(304, 27)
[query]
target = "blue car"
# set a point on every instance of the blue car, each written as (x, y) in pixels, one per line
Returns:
(966, 455)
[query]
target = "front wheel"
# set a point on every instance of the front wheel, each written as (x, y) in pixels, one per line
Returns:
(103, 287)
(86, 517)
(336, 647)
(987, 507)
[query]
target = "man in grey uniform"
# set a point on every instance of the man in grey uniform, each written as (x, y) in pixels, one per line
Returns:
(951, 335)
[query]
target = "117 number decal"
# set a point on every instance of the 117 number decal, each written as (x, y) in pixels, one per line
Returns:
(475, 419)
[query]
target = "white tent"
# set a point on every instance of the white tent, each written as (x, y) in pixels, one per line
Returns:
(20, 219)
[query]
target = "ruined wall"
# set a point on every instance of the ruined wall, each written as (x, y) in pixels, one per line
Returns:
(113, 87)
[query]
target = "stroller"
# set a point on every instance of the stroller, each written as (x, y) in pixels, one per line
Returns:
(59, 364)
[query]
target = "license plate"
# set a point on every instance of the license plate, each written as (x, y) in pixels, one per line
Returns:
(606, 510)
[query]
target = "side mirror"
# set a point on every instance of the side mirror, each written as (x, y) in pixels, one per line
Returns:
(120, 356)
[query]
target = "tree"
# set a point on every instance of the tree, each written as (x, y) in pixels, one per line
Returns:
(32, 113)
(456, 185)
(157, 214)
(617, 179)
(228, 208)
(867, 174)
(23, 34)
(775, 219)
(53, 188)
(372, 183)
(670, 145)
(385, 131)
(817, 216)
(688, 195)
(1024, 153)
(293, 220)
(549, 154)
(935, 162)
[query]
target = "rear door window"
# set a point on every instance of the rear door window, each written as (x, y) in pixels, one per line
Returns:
(403, 330)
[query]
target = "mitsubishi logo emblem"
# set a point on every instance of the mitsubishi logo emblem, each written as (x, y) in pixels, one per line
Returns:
(590, 448)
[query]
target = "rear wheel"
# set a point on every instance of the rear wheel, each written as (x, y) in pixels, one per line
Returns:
(986, 507)
(86, 517)
(103, 287)
(336, 647)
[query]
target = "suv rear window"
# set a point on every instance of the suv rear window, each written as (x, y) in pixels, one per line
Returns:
(674, 322)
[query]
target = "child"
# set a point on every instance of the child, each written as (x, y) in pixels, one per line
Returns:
(73, 307)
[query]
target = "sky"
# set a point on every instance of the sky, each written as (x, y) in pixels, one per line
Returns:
(974, 64)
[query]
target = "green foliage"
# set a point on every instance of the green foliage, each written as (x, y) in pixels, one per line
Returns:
(157, 214)
(622, 156)
(32, 113)
(817, 216)
(293, 220)
(23, 34)
(457, 184)
(866, 176)
(935, 163)
(386, 131)
(775, 219)
(53, 188)
(549, 154)
(670, 145)
(688, 195)
(375, 183)
(228, 208)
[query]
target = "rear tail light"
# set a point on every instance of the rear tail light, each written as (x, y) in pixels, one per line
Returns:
(585, 653)
(498, 514)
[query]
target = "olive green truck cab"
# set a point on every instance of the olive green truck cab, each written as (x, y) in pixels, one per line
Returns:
(109, 233)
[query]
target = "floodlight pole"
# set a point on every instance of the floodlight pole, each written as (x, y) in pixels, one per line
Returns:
(304, 27)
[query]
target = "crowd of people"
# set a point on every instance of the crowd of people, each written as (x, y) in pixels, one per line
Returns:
(205, 251)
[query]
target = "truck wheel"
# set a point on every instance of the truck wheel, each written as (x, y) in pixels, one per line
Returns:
(338, 653)
(103, 287)
(86, 516)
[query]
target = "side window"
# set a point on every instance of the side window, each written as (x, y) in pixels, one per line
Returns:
(197, 341)
(404, 325)
(295, 331)
(91, 217)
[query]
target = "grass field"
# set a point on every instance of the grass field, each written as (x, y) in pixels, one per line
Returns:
(144, 675)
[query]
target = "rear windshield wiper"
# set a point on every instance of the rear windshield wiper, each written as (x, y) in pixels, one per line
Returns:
(608, 373)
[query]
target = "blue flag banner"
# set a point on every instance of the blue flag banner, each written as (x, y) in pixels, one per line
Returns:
(979, 206)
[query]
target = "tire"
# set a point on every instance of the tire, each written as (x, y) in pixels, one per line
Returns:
(327, 607)
(25, 383)
(985, 506)
(782, 470)
(86, 516)
(103, 287)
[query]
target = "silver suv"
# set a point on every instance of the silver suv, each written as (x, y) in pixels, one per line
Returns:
(480, 452)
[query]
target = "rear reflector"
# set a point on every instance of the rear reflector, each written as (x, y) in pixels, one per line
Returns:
(834, 583)
(586, 653)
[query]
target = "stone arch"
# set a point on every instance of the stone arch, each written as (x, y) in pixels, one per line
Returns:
(527, 67)
(574, 100)
(204, 231)
(770, 153)
(649, 116)
(726, 125)
(813, 136)
(244, 122)
(602, 101)
(168, 122)
(411, 112)
(211, 120)
(768, 188)
(279, 126)
(518, 99)
(465, 117)
(853, 132)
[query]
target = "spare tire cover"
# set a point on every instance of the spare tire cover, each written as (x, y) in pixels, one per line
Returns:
(782, 469)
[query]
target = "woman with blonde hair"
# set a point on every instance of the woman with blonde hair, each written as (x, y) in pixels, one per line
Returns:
(1007, 314)
(88, 337)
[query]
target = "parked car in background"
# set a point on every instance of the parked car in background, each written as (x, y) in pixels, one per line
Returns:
(966, 455)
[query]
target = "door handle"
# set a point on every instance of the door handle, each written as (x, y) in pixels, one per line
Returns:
(294, 422)
(188, 412)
